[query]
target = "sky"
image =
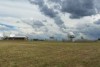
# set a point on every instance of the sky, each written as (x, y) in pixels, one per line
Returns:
(45, 18)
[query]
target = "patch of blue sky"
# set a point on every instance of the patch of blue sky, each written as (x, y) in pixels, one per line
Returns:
(8, 27)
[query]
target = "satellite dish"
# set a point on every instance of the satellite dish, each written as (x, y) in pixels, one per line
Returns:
(71, 36)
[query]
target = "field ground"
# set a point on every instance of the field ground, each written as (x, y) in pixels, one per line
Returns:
(49, 54)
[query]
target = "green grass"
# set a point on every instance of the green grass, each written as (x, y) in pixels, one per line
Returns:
(49, 54)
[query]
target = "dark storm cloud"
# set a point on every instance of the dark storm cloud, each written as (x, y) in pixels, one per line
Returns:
(44, 8)
(48, 11)
(97, 22)
(58, 21)
(97, 5)
(38, 24)
(37, 2)
(91, 30)
(78, 8)
(34, 24)
(55, 1)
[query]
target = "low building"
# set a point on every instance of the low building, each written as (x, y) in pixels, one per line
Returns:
(16, 38)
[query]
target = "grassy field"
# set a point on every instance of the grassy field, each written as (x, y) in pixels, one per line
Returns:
(49, 54)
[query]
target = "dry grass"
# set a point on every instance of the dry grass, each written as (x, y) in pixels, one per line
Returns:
(49, 54)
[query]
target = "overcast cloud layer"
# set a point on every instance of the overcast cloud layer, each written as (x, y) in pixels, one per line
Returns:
(45, 18)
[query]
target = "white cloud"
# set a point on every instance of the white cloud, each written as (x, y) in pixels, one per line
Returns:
(18, 9)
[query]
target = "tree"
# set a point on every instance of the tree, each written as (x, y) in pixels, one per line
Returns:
(98, 38)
